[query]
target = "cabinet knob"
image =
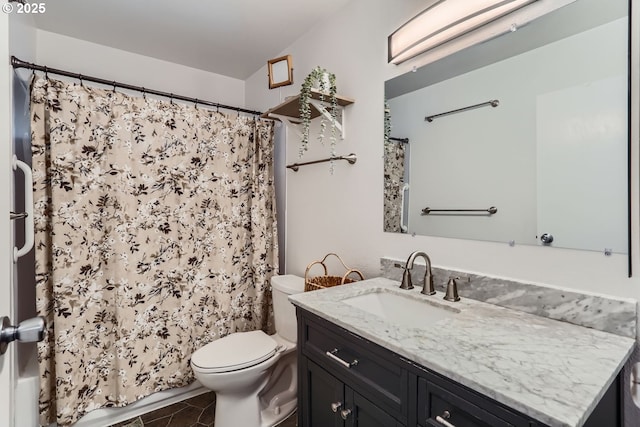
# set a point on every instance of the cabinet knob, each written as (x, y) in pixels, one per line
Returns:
(335, 406)
(345, 413)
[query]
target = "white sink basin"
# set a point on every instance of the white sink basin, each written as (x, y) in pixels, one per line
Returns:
(409, 310)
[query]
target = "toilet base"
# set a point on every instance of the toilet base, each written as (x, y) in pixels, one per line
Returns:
(263, 395)
(234, 411)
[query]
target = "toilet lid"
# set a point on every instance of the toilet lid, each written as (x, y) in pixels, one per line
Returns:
(236, 351)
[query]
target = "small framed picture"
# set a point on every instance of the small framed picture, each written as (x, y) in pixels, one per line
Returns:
(280, 71)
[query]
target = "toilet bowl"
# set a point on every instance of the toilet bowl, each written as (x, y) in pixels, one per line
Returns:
(254, 375)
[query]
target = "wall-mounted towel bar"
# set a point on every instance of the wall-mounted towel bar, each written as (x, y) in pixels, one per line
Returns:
(351, 158)
(13, 215)
(490, 211)
(403, 194)
(28, 207)
(494, 103)
(400, 140)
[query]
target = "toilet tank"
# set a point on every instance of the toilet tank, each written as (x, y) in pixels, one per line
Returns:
(284, 312)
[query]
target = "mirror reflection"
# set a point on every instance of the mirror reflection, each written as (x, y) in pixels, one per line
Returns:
(539, 159)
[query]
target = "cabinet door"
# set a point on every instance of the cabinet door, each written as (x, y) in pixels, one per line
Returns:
(324, 394)
(363, 413)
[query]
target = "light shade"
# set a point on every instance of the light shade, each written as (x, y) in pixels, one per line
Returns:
(443, 21)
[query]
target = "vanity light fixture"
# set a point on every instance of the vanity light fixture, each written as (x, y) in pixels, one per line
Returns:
(443, 21)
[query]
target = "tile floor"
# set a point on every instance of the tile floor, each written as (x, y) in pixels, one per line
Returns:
(195, 412)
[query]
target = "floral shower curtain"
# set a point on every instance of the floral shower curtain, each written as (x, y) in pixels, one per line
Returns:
(394, 154)
(155, 234)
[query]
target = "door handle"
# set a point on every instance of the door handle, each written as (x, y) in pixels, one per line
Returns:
(30, 330)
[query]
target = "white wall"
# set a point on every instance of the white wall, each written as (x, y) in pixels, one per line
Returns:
(79, 56)
(343, 212)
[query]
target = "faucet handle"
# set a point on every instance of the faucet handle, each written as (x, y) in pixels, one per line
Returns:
(452, 289)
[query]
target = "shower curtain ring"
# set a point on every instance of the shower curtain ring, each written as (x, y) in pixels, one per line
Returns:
(114, 86)
(46, 73)
(80, 76)
(171, 98)
(196, 103)
(144, 93)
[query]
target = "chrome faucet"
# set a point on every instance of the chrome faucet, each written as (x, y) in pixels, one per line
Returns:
(427, 281)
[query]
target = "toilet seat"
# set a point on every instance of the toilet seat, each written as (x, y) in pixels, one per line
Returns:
(234, 352)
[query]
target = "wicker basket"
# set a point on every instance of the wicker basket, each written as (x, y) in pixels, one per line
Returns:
(327, 281)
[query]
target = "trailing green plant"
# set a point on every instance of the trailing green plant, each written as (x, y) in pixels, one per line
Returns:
(327, 88)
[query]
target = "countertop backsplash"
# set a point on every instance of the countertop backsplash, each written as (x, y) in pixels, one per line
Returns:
(609, 314)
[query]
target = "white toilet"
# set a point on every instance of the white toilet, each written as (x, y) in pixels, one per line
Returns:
(254, 375)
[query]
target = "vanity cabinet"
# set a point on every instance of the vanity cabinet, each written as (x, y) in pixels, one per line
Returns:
(348, 381)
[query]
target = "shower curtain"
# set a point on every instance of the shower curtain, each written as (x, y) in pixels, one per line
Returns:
(394, 154)
(155, 234)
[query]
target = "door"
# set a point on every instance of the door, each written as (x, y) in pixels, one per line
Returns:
(324, 402)
(363, 413)
(6, 263)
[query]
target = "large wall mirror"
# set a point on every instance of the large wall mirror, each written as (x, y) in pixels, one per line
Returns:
(545, 144)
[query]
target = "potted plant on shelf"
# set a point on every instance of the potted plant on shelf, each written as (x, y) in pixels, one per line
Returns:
(325, 82)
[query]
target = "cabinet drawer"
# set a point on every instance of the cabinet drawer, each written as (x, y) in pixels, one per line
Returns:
(359, 363)
(436, 401)
(464, 408)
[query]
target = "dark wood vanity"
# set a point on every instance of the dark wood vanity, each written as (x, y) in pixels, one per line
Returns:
(348, 381)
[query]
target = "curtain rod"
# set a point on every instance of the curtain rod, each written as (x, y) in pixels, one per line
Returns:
(17, 63)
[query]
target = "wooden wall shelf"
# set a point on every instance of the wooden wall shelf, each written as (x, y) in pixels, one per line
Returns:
(288, 112)
(291, 106)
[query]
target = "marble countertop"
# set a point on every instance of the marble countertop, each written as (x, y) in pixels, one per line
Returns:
(553, 371)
